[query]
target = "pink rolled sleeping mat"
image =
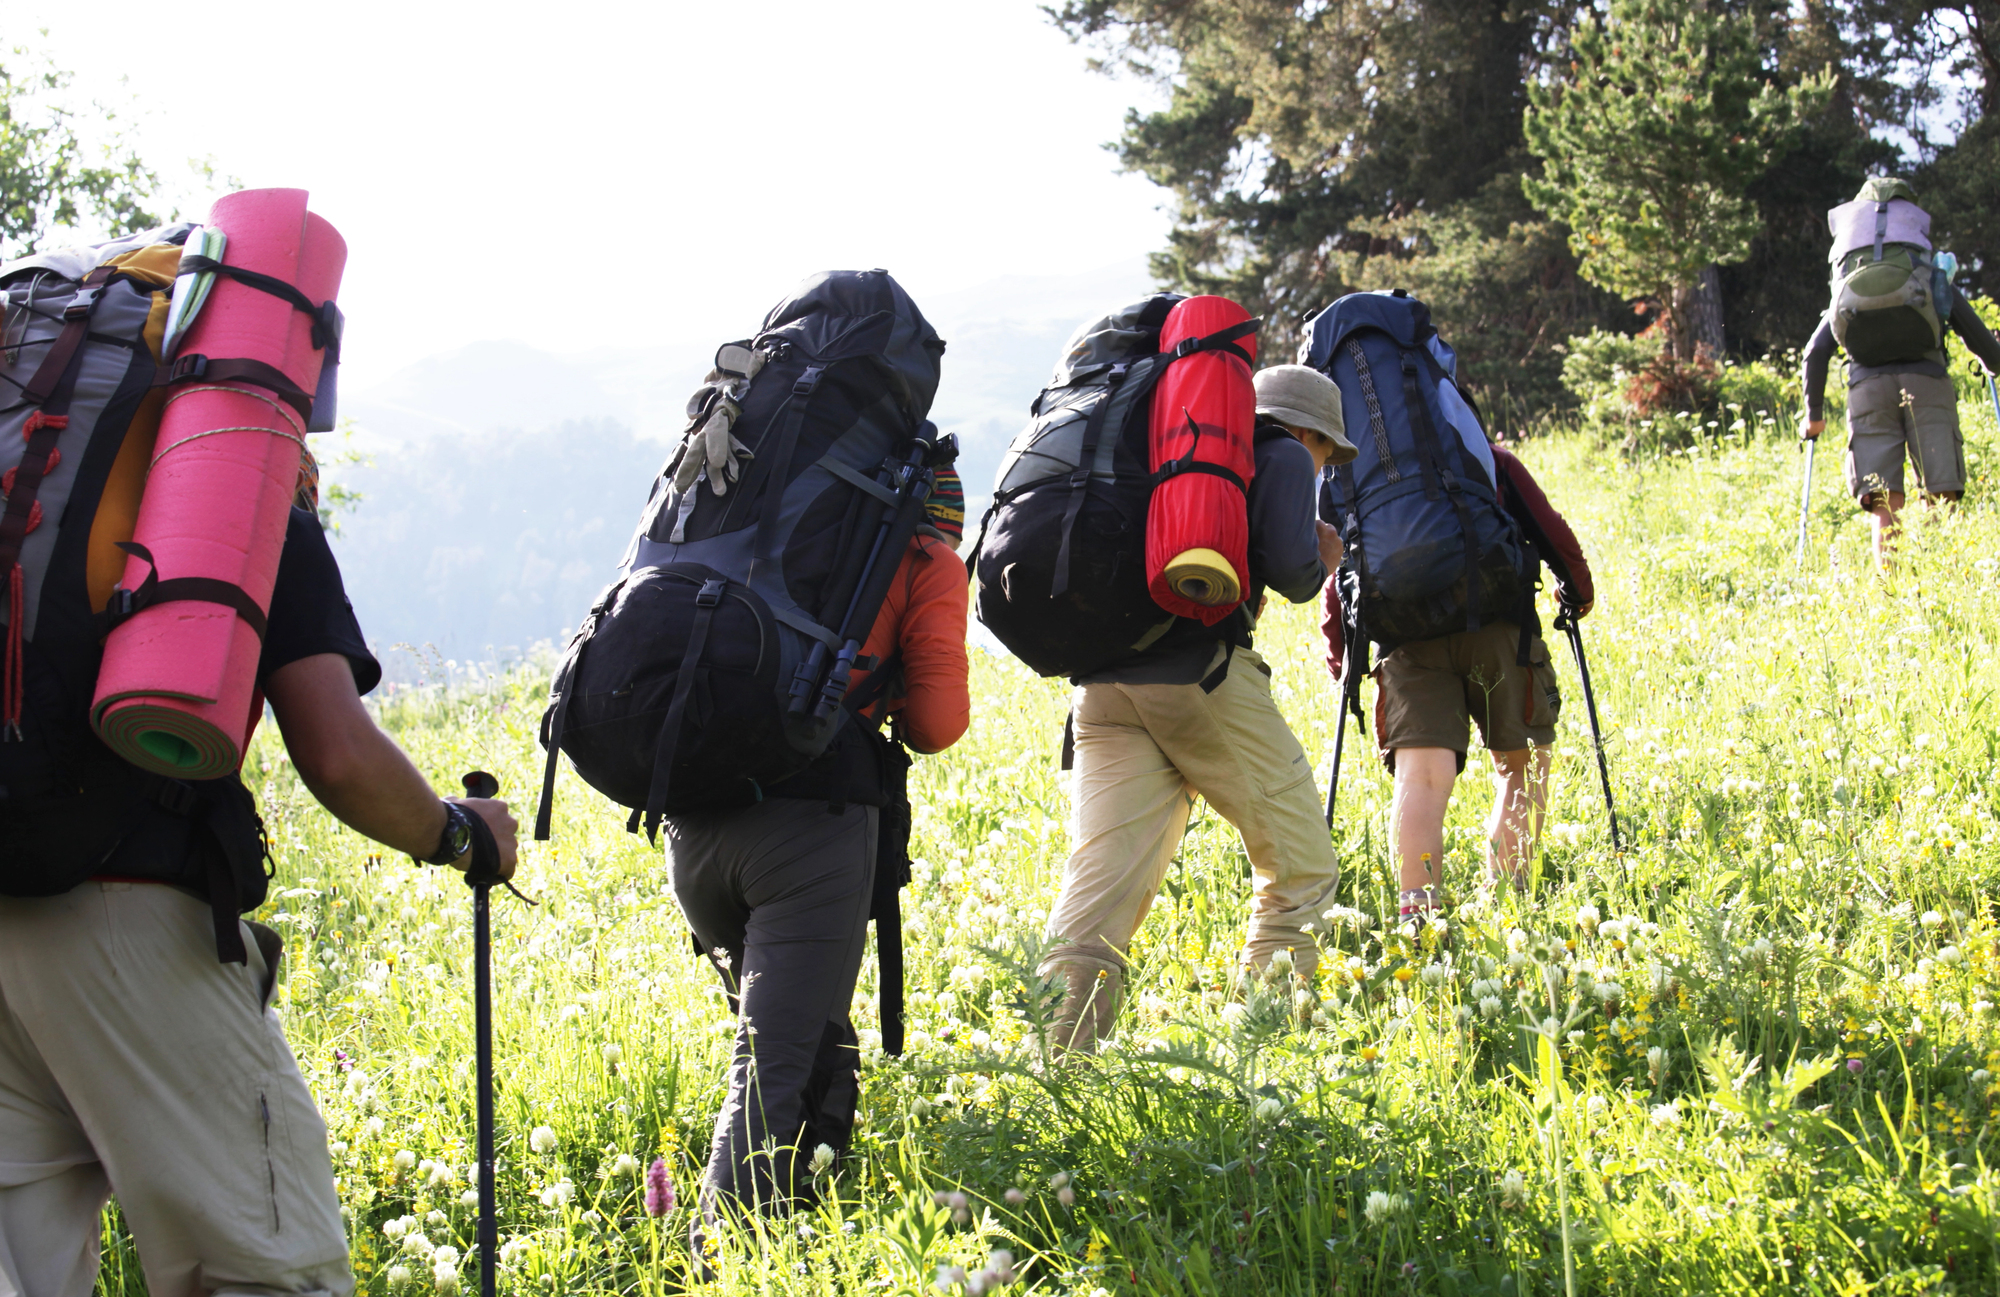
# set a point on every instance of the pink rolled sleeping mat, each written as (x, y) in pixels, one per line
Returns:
(177, 693)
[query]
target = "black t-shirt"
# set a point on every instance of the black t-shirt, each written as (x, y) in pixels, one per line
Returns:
(309, 615)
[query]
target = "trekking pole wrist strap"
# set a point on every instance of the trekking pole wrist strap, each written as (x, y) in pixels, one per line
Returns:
(484, 866)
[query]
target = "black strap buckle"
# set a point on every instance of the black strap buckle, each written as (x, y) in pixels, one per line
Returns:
(1079, 479)
(185, 368)
(175, 797)
(81, 305)
(808, 380)
(710, 593)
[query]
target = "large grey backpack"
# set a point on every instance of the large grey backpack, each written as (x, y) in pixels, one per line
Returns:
(717, 664)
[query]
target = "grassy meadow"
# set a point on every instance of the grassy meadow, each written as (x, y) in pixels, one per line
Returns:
(1753, 1052)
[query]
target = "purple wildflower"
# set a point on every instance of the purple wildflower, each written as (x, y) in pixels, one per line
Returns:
(1854, 1065)
(659, 1189)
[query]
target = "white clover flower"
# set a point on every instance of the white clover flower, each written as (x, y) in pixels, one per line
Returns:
(1980, 1076)
(1612, 930)
(445, 1256)
(1513, 1191)
(1269, 1110)
(624, 1167)
(542, 1139)
(437, 1219)
(397, 1227)
(1435, 974)
(1066, 1196)
(1950, 956)
(613, 1055)
(1656, 1063)
(1587, 917)
(374, 1126)
(1015, 1197)
(558, 1194)
(1234, 1015)
(1610, 992)
(1550, 1028)
(1058, 1180)
(1462, 1014)
(1982, 1008)
(822, 1158)
(399, 1276)
(445, 1279)
(404, 1160)
(1665, 1115)
(1381, 1206)
(1490, 1006)
(417, 1245)
(1931, 919)
(470, 1198)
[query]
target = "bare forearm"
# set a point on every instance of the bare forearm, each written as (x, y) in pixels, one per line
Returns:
(379, 793)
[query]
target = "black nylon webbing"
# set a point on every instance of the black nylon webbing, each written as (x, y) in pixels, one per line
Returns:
(781, 464)
(706, 602)
(1079, 480)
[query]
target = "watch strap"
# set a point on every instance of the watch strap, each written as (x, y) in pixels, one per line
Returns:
(458, 830)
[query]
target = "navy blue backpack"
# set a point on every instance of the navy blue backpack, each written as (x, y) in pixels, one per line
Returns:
(1430, 549)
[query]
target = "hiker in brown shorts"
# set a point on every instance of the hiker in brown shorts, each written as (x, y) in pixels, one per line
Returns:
(1429, 692)
(1900, 397)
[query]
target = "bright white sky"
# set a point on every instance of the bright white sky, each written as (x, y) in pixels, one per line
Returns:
(584, 174)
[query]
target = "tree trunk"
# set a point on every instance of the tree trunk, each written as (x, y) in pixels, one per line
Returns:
(1706, 327)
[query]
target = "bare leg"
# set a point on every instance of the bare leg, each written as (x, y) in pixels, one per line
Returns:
(1520, 794)
(1882, 510)
(1424, 777)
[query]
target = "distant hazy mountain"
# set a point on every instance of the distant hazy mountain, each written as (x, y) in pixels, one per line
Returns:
(506, 479)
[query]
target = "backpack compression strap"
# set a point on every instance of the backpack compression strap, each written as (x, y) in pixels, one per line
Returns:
(706, 601)
(126, 604)
(1220, 340)
(1189, 464)
(1093, 431)
(188, 369)
(1365, 375)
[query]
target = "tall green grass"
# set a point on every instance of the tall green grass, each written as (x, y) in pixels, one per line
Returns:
(1755, 1052)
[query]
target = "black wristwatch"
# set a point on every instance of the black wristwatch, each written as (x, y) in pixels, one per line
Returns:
(457, 839)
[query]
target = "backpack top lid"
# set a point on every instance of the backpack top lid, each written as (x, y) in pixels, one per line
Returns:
(1123, 334)
(1855, 225)
(840, 314)
(75, 263)
(1394, 312)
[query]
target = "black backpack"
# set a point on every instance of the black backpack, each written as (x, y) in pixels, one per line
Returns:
(1430, 548)
(717, 664)
(1061, 556)
(76, 369)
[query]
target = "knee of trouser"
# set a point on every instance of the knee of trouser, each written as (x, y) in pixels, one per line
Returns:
(1094, 953)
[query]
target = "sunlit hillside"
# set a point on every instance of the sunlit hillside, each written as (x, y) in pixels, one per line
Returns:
(1753, 1052)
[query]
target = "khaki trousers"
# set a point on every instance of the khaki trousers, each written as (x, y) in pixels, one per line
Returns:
(132, 1062)
(1143, 752)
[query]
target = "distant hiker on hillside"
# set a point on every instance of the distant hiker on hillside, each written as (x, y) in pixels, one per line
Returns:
(781, 890)
(1445, 536)
(138, 1050)
(1892, 305)
(1192, 715)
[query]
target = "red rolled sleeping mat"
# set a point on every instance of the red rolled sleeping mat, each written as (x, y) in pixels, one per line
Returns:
(177, 693)
(1204, 415)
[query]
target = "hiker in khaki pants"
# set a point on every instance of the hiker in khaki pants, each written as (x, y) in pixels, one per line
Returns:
(1193, 716)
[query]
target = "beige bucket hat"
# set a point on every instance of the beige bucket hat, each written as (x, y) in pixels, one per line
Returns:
(1303, 398)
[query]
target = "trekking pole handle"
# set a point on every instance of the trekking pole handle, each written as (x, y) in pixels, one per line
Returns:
(480, 784)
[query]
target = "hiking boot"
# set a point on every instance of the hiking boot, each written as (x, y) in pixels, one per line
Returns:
(1092, 990)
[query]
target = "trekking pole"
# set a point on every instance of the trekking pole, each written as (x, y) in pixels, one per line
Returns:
(1805, 504)
(1339, 741)
(480, 875)
(1566, 623)
(1993, 391)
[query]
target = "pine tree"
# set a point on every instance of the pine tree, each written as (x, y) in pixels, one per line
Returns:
(1650, 139)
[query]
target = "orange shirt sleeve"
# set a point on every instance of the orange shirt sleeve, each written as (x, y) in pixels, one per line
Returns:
(924, 615)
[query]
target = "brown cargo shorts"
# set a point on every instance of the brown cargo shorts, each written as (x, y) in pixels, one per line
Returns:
(1890, 414)
(1428, 692)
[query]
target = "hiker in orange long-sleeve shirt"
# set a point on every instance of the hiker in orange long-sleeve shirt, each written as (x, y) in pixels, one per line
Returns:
(784, 889)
